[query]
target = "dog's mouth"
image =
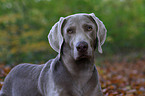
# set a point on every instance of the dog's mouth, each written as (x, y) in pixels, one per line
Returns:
(83, 56)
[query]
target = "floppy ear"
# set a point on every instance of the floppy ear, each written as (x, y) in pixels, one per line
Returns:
(55, 37)
(101, 33)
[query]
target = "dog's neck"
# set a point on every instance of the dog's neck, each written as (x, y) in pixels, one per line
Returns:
(76, 66)
(81, 70)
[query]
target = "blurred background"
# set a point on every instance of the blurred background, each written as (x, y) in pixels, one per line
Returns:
(25, 24)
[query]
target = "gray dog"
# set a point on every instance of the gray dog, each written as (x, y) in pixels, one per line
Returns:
(72, 72)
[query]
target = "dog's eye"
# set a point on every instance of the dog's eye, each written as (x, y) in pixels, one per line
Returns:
(89, 28)
(70, 31)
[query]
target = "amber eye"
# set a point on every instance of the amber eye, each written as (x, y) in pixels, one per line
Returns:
(70, 31)
(89, 28)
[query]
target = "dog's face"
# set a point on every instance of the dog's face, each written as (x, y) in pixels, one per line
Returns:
(79, 33)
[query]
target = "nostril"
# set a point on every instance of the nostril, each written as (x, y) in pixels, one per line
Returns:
(82, 46)
(85, 47)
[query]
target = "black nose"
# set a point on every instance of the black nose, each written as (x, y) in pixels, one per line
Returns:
(82, 46)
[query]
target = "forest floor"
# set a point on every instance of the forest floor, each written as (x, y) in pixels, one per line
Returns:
(123, 75)
(119, 77)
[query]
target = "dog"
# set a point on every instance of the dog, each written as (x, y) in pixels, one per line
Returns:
(72, 72)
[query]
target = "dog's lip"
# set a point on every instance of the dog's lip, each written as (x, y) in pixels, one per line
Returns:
(83, 56)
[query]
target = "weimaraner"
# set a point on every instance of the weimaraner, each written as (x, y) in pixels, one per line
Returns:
(72, 72)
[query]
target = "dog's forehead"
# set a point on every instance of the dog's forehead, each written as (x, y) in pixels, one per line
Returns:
(78, 19)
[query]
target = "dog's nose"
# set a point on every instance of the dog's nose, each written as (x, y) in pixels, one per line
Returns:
(82, 46)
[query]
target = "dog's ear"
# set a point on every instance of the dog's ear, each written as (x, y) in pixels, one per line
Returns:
(55, 37)
(101, 33)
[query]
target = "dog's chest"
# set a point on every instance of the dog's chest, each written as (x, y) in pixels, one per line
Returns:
(62, 83)
(74, 92)
(69, 87)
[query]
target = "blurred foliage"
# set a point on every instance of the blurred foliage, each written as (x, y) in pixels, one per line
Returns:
(25, 24)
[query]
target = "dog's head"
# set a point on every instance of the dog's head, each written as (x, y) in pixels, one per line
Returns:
(80, 32)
